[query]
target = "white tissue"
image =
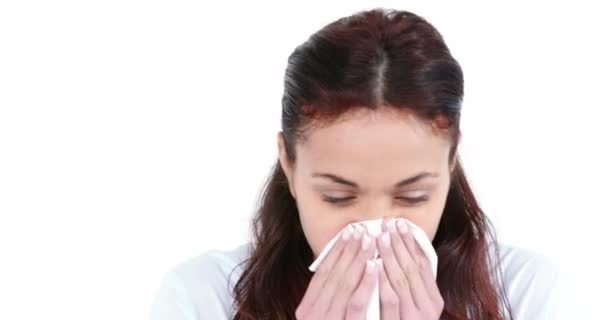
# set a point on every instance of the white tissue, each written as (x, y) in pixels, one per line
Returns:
(374, 227)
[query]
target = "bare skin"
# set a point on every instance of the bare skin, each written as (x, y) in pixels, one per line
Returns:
(350, 171)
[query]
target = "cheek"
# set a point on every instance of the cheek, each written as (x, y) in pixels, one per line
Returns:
(318, 230)
(319, 223)
(426, 221)
(436, 207)
(427, 217)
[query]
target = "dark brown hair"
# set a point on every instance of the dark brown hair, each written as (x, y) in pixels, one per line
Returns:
(373, 58)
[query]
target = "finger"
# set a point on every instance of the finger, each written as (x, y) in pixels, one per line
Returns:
(389, 301)
(395, 275)
(384, 223)
(413, 247)
(357, 307)
(351, 279)
(409, 267)
(401, 251)
(322, 273)
(338, 275)
(423, 263)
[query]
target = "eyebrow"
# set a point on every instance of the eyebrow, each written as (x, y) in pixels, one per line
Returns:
(399, 184)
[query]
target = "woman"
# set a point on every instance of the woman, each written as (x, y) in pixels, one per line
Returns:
(370, 129)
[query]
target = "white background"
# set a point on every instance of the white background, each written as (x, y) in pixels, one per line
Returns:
(137, 134)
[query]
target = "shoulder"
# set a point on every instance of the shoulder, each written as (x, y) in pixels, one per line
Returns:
(200, 288)
(531, 281)
(213, 266)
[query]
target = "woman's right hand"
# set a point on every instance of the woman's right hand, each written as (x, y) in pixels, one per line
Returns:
(342, 285)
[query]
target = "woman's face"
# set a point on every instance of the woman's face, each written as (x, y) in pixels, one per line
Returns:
(372, 164)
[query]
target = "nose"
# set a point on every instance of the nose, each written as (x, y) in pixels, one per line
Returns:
(380, 211)
(378, 214)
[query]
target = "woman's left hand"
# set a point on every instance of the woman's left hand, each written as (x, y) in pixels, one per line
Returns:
(408, 290)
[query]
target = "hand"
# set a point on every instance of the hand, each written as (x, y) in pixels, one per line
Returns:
(407, 287)
(342, 285)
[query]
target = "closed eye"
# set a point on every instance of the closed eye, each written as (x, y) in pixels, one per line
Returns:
(409, 200)
(336, 200)
(413, 200)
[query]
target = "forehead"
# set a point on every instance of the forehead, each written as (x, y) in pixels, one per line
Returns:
(368, 141)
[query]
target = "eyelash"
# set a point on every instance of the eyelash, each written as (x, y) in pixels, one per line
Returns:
(342, 200)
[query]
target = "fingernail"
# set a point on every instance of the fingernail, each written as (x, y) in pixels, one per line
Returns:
(363, 227)
(391, 225)
(385, 221)
(367, 241)
(386, 240)
(403, 228)
(358, 233)
(379, 263)
(370, 266)
(360, 228)
(347, 232)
